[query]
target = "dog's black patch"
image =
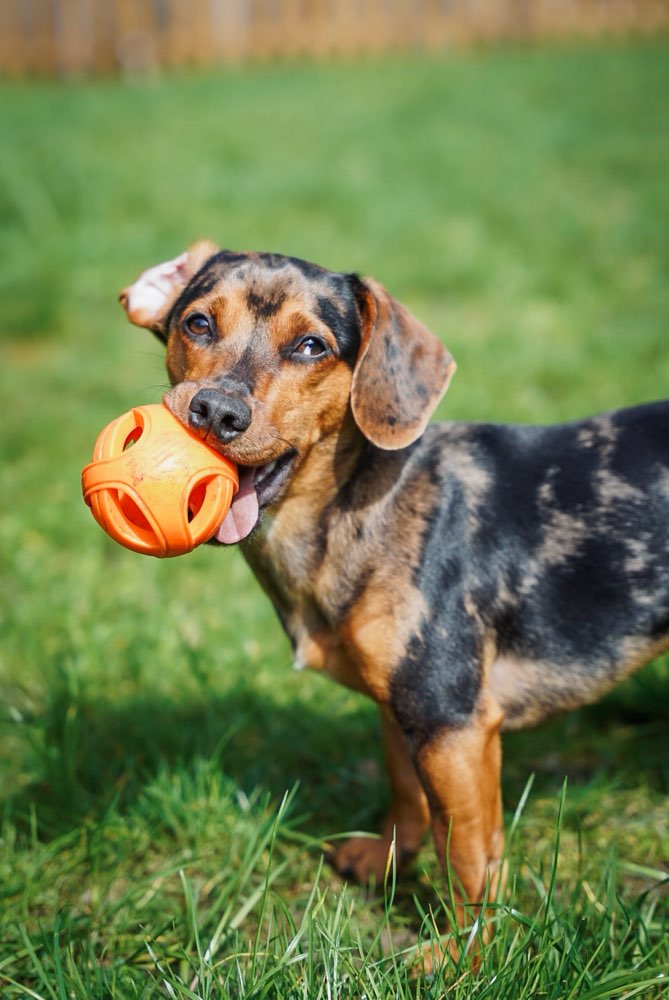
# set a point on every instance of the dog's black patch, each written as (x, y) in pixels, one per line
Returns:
(265, 306)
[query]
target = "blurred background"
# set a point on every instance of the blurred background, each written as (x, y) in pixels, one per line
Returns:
(74, 37)
(502, 168)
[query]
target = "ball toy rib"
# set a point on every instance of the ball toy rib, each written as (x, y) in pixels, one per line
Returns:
(155, 487)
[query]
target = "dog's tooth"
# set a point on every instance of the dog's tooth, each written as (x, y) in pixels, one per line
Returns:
(261, 471)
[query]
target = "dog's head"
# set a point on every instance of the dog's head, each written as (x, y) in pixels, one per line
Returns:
(269, 356)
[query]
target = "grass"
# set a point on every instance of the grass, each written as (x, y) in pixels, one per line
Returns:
(166, 781)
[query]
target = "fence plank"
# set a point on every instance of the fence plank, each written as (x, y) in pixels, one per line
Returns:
(74, 37)
(230, 29)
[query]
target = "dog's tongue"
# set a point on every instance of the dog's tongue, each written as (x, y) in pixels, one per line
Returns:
(243, 514)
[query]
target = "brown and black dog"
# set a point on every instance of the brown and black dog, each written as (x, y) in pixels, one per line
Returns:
(470, 578)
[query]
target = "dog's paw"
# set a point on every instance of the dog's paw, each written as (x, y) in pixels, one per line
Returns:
(362, 859)
(439, 957)
(368, 860)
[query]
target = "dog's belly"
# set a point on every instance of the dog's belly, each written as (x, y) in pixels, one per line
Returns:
(529, 691)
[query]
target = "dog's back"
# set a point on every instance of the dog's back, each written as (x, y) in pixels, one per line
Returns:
(551, 546)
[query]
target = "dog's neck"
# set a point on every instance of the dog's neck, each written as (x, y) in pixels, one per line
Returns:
(315, 553)
(292, 535)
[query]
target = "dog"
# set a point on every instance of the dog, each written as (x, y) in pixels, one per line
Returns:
(470, 578)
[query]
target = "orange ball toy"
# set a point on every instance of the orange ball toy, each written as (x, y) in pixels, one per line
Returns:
(155, 487)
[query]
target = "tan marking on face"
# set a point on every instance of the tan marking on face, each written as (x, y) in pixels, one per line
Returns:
(305, 404)
(294, 403)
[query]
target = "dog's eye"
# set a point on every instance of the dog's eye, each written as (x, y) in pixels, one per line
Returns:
(311, 347)
(197, 325)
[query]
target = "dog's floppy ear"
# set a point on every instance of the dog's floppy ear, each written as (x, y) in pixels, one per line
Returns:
(401, 373)
(149, 299)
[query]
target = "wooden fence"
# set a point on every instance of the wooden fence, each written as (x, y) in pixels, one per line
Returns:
(80, 37)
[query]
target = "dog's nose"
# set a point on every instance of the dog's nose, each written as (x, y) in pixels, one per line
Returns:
(212, 412)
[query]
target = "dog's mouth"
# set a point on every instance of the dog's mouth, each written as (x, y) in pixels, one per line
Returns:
(259, 486)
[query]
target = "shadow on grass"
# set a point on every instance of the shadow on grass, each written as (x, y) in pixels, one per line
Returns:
(91, 756)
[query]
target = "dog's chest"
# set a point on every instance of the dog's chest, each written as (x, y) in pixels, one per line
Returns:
(310, 592)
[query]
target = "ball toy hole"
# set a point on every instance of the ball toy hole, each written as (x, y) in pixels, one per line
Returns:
(131, 511)
(132, 438)
(196, 499)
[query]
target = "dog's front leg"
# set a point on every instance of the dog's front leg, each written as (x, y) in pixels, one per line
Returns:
(460, 771)
(366, 858)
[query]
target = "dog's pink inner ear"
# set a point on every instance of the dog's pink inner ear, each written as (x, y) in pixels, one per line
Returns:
(148, 300)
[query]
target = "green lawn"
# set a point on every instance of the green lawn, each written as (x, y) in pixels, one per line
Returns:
(166, 780)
